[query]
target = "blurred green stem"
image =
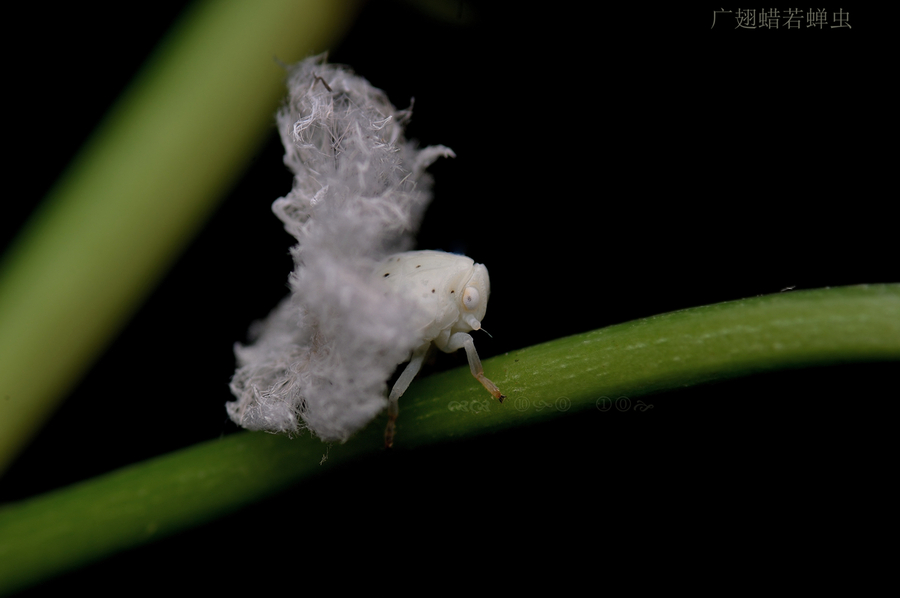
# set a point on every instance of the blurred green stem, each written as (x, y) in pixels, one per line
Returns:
(138, 191)
(48, 534)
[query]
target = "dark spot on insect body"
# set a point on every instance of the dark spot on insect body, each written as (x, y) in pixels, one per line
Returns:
(432, 290)
(418, 265)
(452, 291)
(386, 274)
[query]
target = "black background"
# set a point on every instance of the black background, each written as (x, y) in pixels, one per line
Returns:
(610, 165)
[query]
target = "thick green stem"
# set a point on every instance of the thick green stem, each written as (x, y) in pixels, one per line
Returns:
(61, 530)
(139, 190)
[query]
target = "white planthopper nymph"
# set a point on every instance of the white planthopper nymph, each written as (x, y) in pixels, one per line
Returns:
(451, 293)
(358, 306)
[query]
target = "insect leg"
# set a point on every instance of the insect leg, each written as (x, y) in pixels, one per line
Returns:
(400, 386)
(463, 340)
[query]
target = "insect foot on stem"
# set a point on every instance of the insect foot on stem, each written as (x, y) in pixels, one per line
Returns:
(389, 431)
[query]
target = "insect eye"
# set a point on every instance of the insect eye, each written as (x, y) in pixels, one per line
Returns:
(471, 298)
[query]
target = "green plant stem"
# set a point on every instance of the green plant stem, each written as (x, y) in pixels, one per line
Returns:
(139, 190)
(48, 534)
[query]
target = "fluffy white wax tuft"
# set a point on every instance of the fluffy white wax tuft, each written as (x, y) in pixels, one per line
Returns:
(321, 359)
